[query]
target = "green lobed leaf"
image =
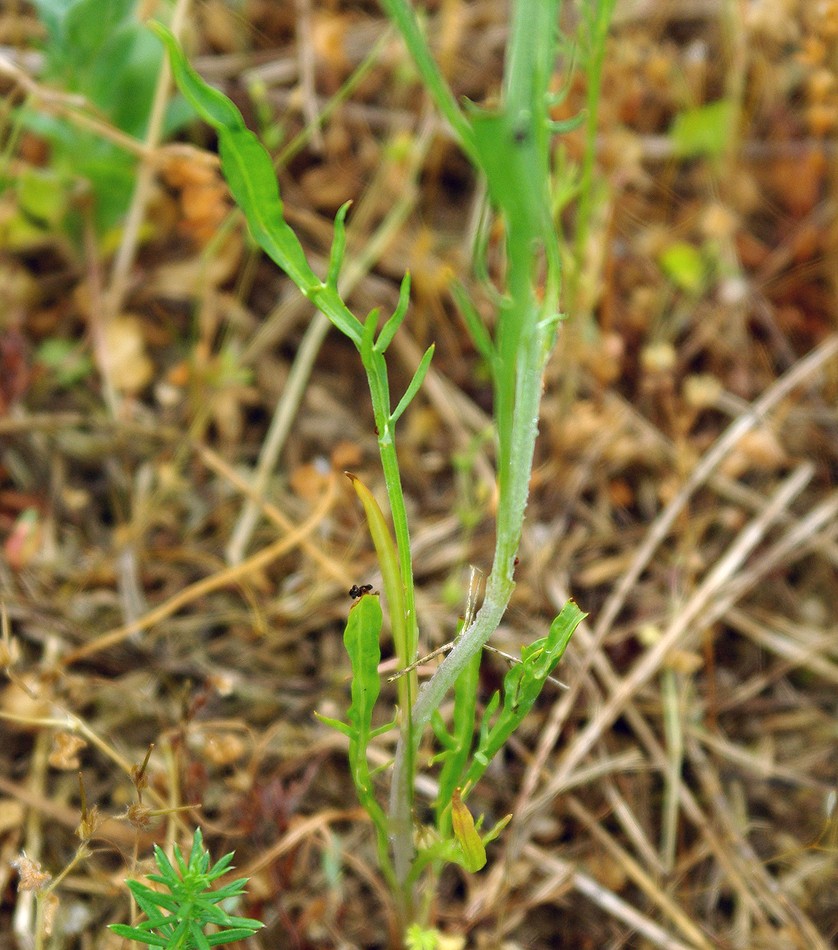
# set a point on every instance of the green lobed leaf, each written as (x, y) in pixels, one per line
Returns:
(522, 686)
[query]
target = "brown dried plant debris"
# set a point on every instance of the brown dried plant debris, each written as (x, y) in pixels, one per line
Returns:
(680, 792)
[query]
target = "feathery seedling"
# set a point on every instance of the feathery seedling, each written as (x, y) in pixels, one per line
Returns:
(178, 917)
(511, 146)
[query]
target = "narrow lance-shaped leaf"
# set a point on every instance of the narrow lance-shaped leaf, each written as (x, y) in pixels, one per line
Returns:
(376, 369)
(388, 331)
(476, 328)
(252, 180)
(247, 165)
(388, 562)
(403, 15)
(228, 936)
(460, 739)
(141, 936)
(362, 639)
(338, 245)
(415, 383)
(563, 126)
(199, 940)
(368, 333)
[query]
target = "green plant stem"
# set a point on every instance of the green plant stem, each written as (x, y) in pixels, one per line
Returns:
(597, 19)
(357, 268)
(402, 15)
(526, 332)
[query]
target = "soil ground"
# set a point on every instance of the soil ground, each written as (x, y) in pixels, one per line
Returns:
(681, 791)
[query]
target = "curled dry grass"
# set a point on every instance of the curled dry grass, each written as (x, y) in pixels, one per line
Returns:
(678, 793)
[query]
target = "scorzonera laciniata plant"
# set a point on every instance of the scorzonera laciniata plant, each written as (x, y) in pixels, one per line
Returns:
(510, 145)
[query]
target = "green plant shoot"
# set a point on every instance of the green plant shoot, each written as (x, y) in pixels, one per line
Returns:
(511, 146)
(522, 685)
(177, 918)
(456, 743)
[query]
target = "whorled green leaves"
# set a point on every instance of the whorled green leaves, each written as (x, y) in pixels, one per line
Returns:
(176, 918)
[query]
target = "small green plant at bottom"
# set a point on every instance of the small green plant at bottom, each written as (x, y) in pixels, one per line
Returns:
(177, 917)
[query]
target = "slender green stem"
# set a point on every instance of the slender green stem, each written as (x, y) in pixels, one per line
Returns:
(407, 650)
(596, 20)
(402, 15)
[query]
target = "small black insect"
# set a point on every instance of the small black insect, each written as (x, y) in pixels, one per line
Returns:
(357, 590)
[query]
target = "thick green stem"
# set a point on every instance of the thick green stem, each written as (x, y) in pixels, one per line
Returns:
(526, 331)
(499, 588)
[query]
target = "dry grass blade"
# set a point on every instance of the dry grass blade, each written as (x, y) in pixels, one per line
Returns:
(798, 375)
(231, 575)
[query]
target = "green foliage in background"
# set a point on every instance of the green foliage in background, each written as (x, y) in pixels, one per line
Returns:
(705, 131)
(100, 53)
